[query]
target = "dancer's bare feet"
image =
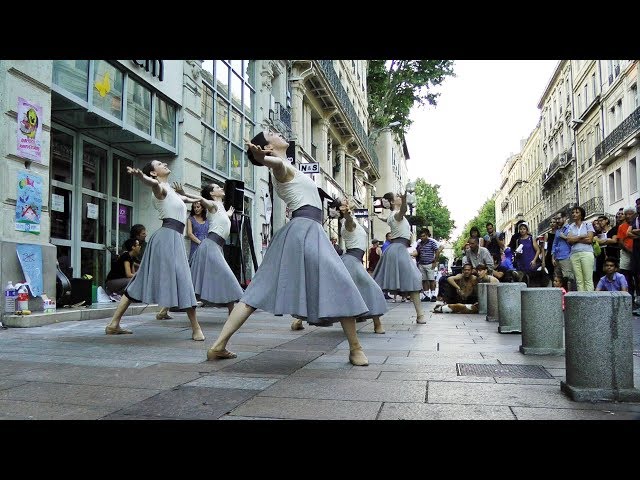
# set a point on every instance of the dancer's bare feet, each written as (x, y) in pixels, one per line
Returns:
(118, 330)
(377, 326)
(420, 319)
(219, 354)
(358, 358)
(198, 336)
(297, 324)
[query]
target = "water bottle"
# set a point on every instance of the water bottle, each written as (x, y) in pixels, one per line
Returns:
(23, 297)
(10, 294)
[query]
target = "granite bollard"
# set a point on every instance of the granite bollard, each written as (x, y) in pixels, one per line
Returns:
(482, 298)
(492, 302)
(542, 321)
(599, 347)
(509, 307)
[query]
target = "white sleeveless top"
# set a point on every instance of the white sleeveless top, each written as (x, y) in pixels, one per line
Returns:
(299, 191)
(219, 222)
(400, 229)
(172, 206)
(355, 239)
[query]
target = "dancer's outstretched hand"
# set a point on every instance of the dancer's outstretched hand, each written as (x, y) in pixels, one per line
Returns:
(177, 186)
(135, 172)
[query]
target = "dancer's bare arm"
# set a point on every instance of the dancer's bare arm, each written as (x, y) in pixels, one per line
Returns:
(349, 223)
(156, 187)
(282, 171)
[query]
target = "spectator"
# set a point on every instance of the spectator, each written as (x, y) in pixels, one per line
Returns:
(484, 276)
(475, 233)
(122, 270)
(580, 237)
(387, 242)
(374, 255)
(197, 227)
(461, 288)
(561, 250)
(428, 253)
(493, 241)
(476, 255)
(334, 242)
(561, 283)
(612, 281)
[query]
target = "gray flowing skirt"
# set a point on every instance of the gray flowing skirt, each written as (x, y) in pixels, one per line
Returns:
(368, 288)
(397, 272)
(302, 275)
(213, 279)
(164, 276)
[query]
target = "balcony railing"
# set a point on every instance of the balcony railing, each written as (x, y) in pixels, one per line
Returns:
(560, 161)
(593, 206)
(326, 67)
(628, 127)
(282, 119)
(545, 224)
(504, 205)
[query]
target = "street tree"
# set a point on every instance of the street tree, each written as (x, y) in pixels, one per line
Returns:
(395, 86)
(431, 212)
(486, 214)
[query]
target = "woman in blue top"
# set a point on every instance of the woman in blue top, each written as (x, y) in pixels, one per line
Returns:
(197, 227)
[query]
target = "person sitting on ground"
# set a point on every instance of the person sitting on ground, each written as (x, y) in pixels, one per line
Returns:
(461, 288)
(612, 281)
(484, 276)
(123, 270)
(456, 308)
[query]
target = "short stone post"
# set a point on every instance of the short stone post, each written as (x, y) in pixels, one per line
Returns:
(482, 298)
(542, 321)
(599, 347)
(509, 307)
(492, 302)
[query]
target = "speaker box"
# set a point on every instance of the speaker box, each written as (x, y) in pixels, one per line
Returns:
(234, 195)
(81, 290)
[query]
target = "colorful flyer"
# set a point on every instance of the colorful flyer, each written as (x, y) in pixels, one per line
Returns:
(29, 132)
(29, 202)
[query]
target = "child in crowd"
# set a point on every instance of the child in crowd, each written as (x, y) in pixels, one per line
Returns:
(612, 280)
(561, 283)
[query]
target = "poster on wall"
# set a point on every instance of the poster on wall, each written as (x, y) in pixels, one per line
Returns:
(29, 202)
(29, 132)
(30, 258)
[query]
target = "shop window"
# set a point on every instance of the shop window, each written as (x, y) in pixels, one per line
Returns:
(236, 127)
(107, 88)
(236, 90)
(72, 76)
(93, 219)
(60, 208)
(138, 106)
(222, 116)
(165, 122)
(126, 180)
(222, 147)
(207, 106)
(207, 146)
(236, 162)
(94, 163)
(61, 157)
(222, 78)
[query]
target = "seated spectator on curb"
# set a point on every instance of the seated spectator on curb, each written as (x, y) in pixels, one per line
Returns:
(461, 288)
(123, 270)
(483, 275)
(476, 254)
(612, 281)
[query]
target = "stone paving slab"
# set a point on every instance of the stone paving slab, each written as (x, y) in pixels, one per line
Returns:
(229, 381)
(343, 356)
(25, 410)
(499, 394)
(188, 403)
(6, 383)
(529, 381)
(422, 411)
(435, 375)
(336, 373)
(523, 413)
(274, 362)
(347, 389)
(77, 394)
(308, 409)
(87, 361)
(10, 367)
(118, 377)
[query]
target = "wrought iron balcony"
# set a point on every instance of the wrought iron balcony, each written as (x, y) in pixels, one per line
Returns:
(560, 161)
(504, 204)
(629, 126)
(593, 206)
(326, 67)
(281, 119)
(544, 225)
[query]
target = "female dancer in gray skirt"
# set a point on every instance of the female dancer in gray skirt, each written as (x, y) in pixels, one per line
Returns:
(213, 279)
(396, 271)
(356, 243)
(301, 274)
(164, 276)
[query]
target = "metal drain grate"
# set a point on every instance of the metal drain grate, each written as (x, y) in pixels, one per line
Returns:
(501, 370)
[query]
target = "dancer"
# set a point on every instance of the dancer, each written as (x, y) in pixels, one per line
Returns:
(396, 271)
(355, 241)
(164, 275)
(213, 279)
(301, 274)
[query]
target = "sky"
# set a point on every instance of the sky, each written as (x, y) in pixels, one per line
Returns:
(482, 115)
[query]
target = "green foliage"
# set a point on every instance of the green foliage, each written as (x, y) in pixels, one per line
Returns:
(394, 86)
(431, 212)
(443, 260)
(486, 214)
